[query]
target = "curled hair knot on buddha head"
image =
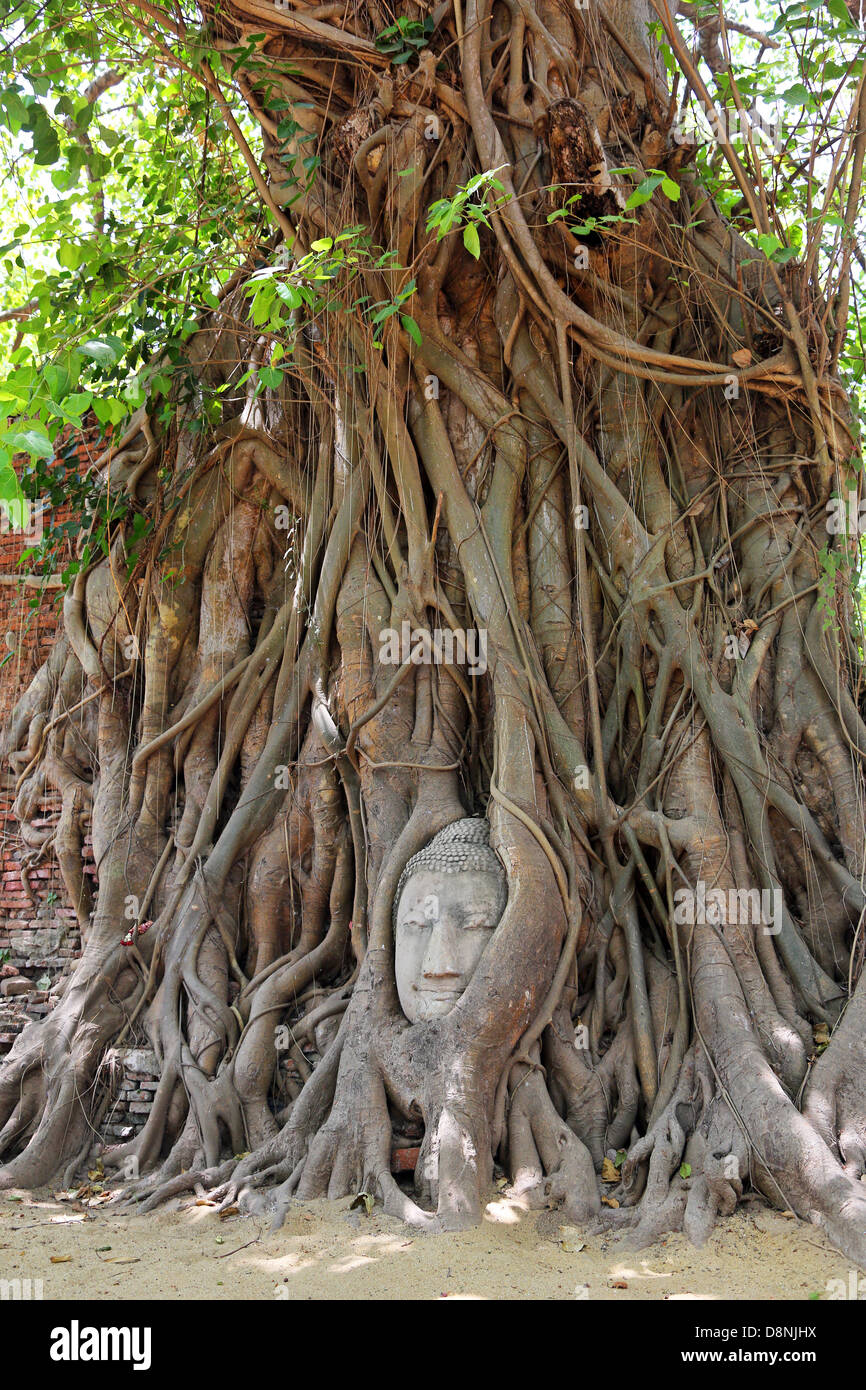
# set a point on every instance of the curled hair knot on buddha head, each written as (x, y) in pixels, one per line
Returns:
(462, 845)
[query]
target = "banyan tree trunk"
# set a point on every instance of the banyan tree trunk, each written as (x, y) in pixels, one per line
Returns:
(605, 458)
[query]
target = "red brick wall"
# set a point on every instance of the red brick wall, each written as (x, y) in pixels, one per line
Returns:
(39, 934)
(28, 628)
(26, 632)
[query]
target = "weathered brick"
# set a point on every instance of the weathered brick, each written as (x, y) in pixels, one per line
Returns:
(40, 936)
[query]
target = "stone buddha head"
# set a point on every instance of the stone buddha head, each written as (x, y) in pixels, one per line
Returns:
(449, 901)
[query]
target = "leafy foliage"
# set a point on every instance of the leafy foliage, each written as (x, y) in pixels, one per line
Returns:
(405, 39)
(129, 203)
(466, 210)
(322, 281)
(126, 213)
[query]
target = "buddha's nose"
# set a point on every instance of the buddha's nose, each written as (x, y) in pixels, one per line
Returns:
(440, 961)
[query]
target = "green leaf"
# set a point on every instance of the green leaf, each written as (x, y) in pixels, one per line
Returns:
(289, 295)
(769, 244)
(57, 381)
(384, 314)
(99, 351)
(271, 376)
(77, 403)
(10, 490)
(839, 11)
(685, 1170)
(108, 410)
(69, 255)
(645, 190)
(411, 328)
(471, 240)
(33, 441)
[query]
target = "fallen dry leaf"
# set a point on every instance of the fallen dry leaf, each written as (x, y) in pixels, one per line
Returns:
(742, 357)
(609, 1202)
(60, 1259)
(99, 1199)
(609, 1171)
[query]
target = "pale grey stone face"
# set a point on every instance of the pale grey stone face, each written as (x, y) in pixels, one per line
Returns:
(444, 921)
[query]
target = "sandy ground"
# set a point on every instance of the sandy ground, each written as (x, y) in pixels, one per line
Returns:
(327, 1251)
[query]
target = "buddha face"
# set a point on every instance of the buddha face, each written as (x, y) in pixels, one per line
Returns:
(444, 921)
